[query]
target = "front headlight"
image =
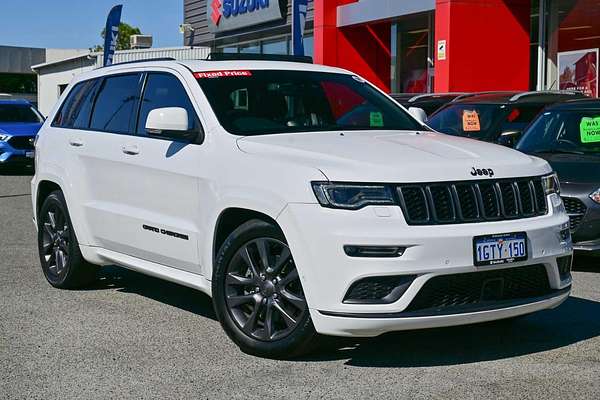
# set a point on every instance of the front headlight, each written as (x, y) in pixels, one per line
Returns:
(551, 184)
(596, 196)
(3, 137)
(352, 196)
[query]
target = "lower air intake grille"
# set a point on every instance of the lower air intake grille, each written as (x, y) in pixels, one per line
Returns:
(445, 292)
(378, 289)
(22, 142)
(576, 210)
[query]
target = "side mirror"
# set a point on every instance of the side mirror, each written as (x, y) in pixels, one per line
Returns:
(418, 113)
(170, 123)
(509, 138)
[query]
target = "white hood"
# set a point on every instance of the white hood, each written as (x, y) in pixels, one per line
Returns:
(393, 156)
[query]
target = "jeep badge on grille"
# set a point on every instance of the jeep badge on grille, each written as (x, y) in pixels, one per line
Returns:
(482, 172)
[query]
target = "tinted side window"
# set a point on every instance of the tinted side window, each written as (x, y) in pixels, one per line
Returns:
(82, 120)
(165, 90)
(520, 116)
(116, 104)
(69, 112)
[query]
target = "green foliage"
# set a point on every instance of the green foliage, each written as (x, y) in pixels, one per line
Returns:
(125, 32)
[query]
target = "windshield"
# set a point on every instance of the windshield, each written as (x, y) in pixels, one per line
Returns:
(268, 102)
(563, 131)
(19, 113)
(470, 120)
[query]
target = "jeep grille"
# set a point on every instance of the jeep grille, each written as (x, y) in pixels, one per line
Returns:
(472, 201)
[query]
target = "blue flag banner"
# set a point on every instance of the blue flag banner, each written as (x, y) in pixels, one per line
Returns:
(299, 8)
(111, 33)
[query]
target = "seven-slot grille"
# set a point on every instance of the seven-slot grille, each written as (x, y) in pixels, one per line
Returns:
(22, 142)
(472, 201)
(576, 210)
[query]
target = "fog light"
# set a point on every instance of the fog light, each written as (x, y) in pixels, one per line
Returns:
(564, 267)
(374, 251)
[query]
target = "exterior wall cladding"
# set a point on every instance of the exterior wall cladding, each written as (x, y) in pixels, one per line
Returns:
(194, 13)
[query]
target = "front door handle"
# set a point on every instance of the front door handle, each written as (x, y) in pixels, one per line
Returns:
(130, 150)
(76, 142)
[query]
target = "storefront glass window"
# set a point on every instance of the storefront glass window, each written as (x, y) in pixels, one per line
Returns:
(309, 45)
(573, 44)
(275, 47)
(250, 48)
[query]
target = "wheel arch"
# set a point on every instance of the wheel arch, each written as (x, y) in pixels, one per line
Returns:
(44, 188)
(230, 219)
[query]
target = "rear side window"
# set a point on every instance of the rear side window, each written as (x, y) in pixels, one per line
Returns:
(520, 116)
(75, 111)
(165, 90)
(116, 104)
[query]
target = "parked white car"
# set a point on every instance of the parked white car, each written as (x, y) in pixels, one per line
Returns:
(303, 199)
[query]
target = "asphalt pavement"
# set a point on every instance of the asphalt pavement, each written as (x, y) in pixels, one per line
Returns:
(132, 336)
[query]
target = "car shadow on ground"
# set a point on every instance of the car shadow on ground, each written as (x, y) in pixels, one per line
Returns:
(14, 171)
(172, 294)
(586, 263)
(574, 321)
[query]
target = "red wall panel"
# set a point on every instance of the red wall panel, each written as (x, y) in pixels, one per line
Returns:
(487, 45)
(363, 49)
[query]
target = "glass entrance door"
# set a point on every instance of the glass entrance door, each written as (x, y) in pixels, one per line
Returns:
(412, 49)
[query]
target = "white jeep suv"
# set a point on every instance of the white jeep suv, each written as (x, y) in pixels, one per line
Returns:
(300, 197)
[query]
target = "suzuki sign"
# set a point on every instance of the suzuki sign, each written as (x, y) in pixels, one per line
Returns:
(226, 15)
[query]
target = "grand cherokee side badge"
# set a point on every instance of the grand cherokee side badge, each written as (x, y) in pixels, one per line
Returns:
(482, 172)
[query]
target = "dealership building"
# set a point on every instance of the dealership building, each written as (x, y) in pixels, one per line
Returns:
(420, 46)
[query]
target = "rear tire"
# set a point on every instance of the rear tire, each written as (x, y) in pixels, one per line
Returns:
(258, 296)
(62, 262)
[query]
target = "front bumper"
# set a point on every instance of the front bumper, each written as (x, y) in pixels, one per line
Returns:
(353, 325)
(585, 218)
(317, 237)
(11, 156)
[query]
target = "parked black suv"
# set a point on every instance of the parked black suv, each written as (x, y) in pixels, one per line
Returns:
(498, 117)
(428, 102)
(567, 135)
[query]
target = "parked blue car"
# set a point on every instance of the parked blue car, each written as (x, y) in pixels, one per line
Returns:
(20, 122)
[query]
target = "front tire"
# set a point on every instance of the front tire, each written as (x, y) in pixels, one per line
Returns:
(62, 262)
(258, 296)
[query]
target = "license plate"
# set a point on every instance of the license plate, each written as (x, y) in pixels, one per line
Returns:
(30, 154)
(500, 249)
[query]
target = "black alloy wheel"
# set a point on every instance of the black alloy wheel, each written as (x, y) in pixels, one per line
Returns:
(258, 294)
(61, 259)
(264, 295)
(55, 242)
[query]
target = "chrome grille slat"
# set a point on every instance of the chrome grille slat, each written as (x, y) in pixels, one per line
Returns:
(472, 201)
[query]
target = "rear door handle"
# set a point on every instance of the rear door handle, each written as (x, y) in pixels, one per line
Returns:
(76, 142)
(130, 150)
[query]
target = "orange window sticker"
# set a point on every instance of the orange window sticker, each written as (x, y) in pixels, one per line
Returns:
(471, 121)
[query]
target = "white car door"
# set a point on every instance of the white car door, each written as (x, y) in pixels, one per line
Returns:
(97, 164)
(157, 185)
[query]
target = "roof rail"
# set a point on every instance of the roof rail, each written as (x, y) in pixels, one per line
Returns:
(141, 61)
(467, 95)
(538, 92)
(258, 57)
(422, 96)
